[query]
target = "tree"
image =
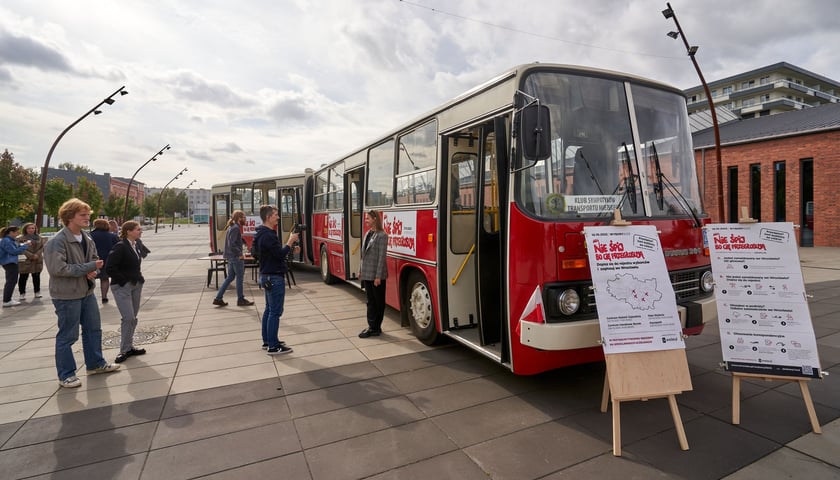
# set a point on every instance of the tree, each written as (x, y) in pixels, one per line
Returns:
(115, 207)
(17, 191)
(56, 193)
(150, 205)
(75, 168)
(89, 193)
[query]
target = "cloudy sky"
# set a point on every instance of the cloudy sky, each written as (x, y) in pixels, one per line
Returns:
(268, 87)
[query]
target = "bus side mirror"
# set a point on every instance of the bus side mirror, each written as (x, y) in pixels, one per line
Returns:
(535, 132)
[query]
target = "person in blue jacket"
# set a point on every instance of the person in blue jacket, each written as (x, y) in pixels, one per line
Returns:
(272, 254)
(9, 253)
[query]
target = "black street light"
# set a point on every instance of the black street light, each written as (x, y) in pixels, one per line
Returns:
(95, 110)
(128, 190)
(175, 206)
(691, 51)
(160, 196)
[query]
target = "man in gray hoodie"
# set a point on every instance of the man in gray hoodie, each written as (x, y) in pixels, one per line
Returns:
(72, 261)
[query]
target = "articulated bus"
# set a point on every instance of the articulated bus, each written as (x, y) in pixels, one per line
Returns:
(288, 193)
(486, 197)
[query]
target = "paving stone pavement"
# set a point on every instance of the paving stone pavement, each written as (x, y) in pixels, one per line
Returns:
(206, 401)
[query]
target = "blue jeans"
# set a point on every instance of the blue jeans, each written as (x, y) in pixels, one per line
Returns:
(237, 271)
(274, 299)
(82, 312)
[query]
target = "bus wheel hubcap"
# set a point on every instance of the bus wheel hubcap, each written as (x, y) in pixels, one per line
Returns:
(421, 306)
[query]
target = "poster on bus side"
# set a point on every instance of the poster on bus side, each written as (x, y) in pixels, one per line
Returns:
(765, 324)
(637, 309)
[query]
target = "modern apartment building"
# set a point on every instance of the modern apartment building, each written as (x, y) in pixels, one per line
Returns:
(769, 90)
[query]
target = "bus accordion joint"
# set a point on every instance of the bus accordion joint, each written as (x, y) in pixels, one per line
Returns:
(463, 264)
(572, 263)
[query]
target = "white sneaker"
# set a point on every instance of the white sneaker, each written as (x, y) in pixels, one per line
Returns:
(37, 295)
(11, 303)
(22, 297)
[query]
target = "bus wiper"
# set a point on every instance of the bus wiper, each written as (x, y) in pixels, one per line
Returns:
(591, 173)
(657, 187)
(629, 181)
(680, 199)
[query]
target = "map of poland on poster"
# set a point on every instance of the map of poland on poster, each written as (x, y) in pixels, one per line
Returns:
(637, 309)
(765, 323)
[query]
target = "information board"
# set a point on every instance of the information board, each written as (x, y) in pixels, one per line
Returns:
(637, 309)
(765, 324)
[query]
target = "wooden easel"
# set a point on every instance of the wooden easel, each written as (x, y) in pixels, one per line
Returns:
(737, 376)
(803, 387)
(643, 376)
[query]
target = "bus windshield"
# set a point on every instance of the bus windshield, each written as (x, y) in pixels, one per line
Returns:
(595, 164)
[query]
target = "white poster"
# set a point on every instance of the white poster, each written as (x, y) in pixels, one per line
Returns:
(335, 226)
(401, 228)
(637, 309)
(252, 222)
(765, 324)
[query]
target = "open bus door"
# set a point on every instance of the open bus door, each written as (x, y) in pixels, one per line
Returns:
(354, 221)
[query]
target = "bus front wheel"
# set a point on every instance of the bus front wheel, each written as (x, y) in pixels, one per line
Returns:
(419, 304)
(326, 275)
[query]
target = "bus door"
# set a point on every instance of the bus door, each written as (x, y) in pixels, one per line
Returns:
(353, 221)
(221, 213)
(490, 219)
(290, 215)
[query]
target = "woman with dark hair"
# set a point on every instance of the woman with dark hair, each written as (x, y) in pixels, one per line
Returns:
(9, 251)
(33, 262)
(104, 241)
(123, 267)
(373, 273)
(235, 260)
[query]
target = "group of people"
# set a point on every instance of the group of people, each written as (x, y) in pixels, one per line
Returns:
(74, 259)
(12, 246)
(273, 254)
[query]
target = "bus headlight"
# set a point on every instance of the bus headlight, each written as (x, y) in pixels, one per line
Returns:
(568, 302)
(707, 281)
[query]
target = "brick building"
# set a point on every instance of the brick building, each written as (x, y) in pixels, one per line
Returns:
(783, 168)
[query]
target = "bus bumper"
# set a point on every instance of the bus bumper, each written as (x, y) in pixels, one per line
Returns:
(694, 315)
(560, 336)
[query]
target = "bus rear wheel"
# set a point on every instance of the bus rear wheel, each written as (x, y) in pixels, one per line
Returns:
(326, 275)
(418, 301)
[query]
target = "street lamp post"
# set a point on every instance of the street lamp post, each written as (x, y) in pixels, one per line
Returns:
(128, 190)
(95, 110)
(160, 196)
(175, 206)
(691, 51)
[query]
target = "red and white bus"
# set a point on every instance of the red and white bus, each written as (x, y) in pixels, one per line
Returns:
(485, 199)
(287, 192)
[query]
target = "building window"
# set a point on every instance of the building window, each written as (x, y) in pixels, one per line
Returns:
(733, 194)
(765, 97)
(779, 194)
(714, 93)
(727, 90)
(755, 191)
(764, 80)
(747, 84)
(748, 102)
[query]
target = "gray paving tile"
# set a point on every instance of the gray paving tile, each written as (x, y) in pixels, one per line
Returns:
(448, 398)
(210, 423)
(341, 396)
(490, 420)
(609, 467)
(77, 451)
(221, 453)
(713, 391)
(55, 427)
(123, 468)
(783, 464)
(416, 361)
(716, 449)
(453, 465)
(329, 377)
(536, 451)
(219, 397)
(377, 452)
(777, 416)
(329, 427)
(438, 375)
(292, 466)
(7, 430)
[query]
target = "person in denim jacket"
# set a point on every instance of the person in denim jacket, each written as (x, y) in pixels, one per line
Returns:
(72, 262)
(9, 253)
(235, 260)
